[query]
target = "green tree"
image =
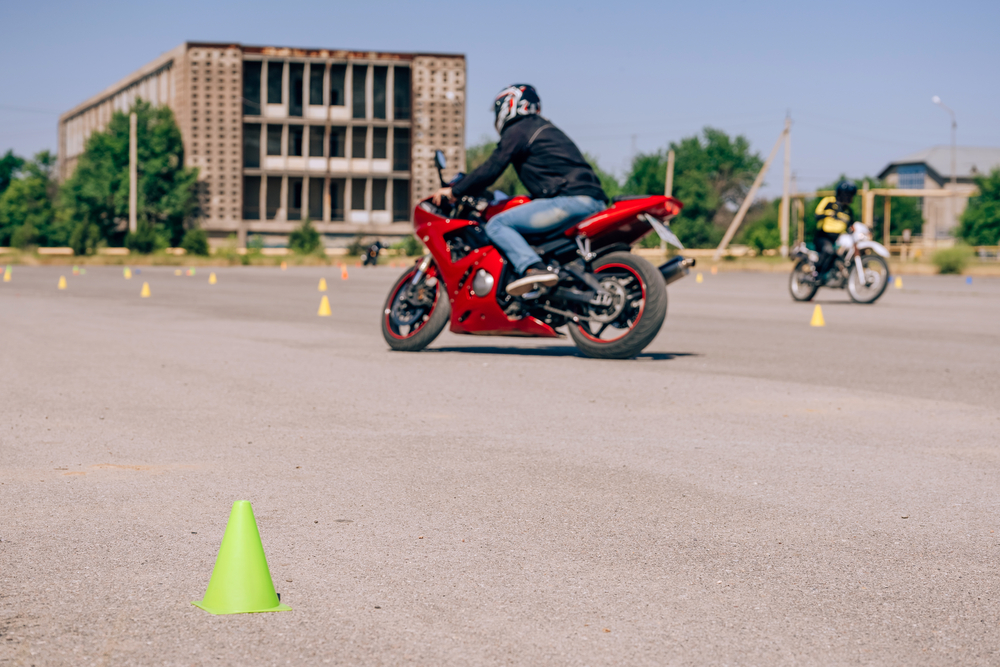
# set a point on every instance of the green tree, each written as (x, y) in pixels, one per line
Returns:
(981, 220)
(27, 206)
(10, 165)
(711, 171)
(98, 191)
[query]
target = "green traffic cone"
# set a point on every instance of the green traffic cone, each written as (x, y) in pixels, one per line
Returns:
(241, 582)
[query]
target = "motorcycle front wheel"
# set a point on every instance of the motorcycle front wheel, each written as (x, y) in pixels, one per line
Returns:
(633, 314)
(869, 286)
(801, 288)
(414, 315)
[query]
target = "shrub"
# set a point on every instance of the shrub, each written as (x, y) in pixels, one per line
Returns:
(255, 246)
(85, 238)
(953, 260)
(145, 240)
(410, 246)
(358, 246)
(23, 236)
(195, 242)
(305, 240)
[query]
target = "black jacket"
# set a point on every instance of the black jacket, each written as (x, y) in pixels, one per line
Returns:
(548, 163)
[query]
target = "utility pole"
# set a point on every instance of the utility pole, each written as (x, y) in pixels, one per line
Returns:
(133, 173)
(783, 218)
(954, 177)
(669, 189)
(748, 200)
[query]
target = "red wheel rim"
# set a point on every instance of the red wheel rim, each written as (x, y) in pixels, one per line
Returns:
(582, 327)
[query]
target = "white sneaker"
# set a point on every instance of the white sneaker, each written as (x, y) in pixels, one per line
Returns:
(533, 279)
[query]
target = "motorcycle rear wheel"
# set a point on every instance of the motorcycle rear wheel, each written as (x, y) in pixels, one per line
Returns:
(800, 289)
(410, 329)
(875, 282)
(641, 287)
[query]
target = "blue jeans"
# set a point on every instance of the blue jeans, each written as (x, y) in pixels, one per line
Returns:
(540, 215)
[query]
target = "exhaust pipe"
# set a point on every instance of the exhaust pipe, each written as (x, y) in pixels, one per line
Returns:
(676, 268)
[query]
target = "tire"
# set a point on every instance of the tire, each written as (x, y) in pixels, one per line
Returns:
(427, 322)
(801, 291)
(877, 279)
(640, 318)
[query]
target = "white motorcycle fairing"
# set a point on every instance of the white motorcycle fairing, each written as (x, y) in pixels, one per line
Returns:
(873, 245)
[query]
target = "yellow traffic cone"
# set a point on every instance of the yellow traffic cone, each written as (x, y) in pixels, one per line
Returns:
(211, 279)
(62, 282)
(127, 272)
(322, 284)
(145, 291)
(284, 266)
(817, 318)
(324, 307)
(6, 274)
(899, 282)
(698, 278)
(241, 581)
(343, 272)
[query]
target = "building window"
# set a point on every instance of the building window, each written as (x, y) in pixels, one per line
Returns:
(316, 84)
(379, 140)
(401, 149)
(251, 88)
(400, 201)
(337, 199)
(274, 139)
(337, 76)
(911, 176)
(296, 73)
(379, 76)
(295, 140)
(401, 93)
(273, 201)
(359, 137)
(251, 147)
(338, 141)
(316, 140)
(358, 194)
(315, 198)
(251, 197)
(294, 198)
(379, 186)
(358, 74)
(275, 69)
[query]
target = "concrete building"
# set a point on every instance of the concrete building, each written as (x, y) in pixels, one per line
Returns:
(278, 134)
(931, 170)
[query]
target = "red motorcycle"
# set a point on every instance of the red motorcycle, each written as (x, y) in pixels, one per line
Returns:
(612, 302)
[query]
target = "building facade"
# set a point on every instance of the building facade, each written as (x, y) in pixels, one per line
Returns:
(931, 170)
(344, 138)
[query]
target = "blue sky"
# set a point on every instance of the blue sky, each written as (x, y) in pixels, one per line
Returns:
(857, 77)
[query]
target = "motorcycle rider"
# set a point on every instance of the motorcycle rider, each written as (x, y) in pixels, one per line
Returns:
(833, 215)
(563, 186)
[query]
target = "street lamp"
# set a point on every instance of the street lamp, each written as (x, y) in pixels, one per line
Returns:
(954, 128)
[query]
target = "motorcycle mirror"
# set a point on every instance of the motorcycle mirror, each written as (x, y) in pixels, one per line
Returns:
(439, 160)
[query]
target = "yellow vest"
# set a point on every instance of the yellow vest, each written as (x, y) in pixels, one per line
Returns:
(832, 217)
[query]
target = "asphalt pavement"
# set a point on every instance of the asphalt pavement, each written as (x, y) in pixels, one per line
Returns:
(748, 491)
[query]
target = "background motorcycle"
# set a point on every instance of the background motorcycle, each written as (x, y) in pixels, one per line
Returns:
(860, 266)
(613, 302)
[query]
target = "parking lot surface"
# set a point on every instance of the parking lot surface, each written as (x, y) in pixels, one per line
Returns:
(749, 491)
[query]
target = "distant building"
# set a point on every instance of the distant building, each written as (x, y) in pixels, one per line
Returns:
(346, 138)
(931, 170)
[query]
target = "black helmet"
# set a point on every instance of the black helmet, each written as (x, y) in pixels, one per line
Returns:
(518, 99)
(846, 191)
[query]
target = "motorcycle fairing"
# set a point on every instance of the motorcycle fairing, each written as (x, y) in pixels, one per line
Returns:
(878, 248)
(472, 314)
